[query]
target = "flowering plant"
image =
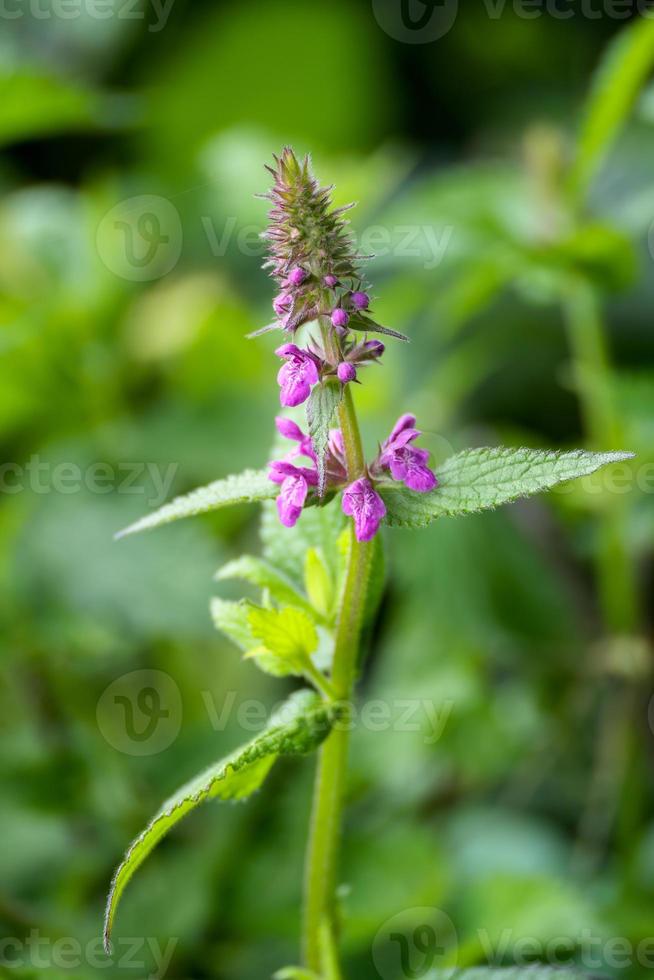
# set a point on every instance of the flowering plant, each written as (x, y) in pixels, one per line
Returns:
(321, 581)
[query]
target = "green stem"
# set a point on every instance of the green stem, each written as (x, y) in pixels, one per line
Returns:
(615, 568)
(324, 839)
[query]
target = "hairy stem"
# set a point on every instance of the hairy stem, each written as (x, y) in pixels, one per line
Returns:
(324, 839)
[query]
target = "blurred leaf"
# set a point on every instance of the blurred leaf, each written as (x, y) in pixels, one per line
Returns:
(479, 479)
(531, 971)
(622, 72)
(247, 487)
(295, 973)
(299, 727)
(33, 105)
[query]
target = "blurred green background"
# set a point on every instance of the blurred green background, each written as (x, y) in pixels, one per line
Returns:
(134, 140)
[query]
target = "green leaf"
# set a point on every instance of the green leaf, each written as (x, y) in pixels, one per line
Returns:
(299, 727)
(261, 573)
(479, 479)
(231, 618)
(321, 407)
(248, 487)
(618, 80)
(318, 582)
(288, 637)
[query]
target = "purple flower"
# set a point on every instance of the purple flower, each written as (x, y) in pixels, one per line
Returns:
(297, 375)
(360, 300)
(289, 430)
(330, 281)
(407, 463)
(363, 503)
(295, 482)
(340, 317)
(296, 276)
(346, 372)
(282, 303)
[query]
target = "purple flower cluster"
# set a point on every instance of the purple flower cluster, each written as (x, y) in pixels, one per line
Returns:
(406, 463)
(317, 271)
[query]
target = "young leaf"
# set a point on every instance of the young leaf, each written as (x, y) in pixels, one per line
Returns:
(288, 638)
(618, 80)
(318, 582)
(265, 576)
(231, 618)
(247, 487)
(321, 407)
(299, 727)
(479, 479)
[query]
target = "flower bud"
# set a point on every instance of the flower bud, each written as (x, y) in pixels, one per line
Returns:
(360, 301)
(296, 276)
(346, 372)
(340, 317)
(374, 348)
(330, 281)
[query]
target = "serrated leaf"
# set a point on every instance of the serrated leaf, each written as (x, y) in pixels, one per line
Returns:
(321, 407)
(231, 619)
(288, 637)
(299, 727)
(248, 487)
(480, 479)
(621, 74)
(318, 582)
(261, 573)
